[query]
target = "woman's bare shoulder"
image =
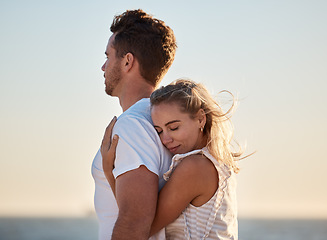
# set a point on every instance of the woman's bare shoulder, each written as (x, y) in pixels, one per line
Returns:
(197, 165)
(200, 175)
(197, 161)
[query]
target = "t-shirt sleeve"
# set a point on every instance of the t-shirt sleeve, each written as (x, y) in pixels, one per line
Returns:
(137, 146)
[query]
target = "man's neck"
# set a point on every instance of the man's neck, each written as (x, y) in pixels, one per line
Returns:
(133, 94)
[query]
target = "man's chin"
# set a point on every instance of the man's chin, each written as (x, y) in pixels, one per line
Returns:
(109, 91)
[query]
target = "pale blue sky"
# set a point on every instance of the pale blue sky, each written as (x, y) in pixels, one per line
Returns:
(271, 54)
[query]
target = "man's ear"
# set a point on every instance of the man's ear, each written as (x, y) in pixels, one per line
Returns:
(128, 62)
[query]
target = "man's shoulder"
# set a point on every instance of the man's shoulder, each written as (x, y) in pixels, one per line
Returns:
(136, 121)
(139, 110)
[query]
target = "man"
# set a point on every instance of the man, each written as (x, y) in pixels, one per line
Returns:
(139, 53)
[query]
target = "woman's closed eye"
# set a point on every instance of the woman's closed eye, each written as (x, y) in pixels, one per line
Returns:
(158, 130)
(174, 129)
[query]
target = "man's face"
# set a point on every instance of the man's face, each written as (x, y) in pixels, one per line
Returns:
(111, 68)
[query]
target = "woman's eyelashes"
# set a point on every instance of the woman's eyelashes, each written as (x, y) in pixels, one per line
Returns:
(173, 126)
(174, 129)
(159, 130)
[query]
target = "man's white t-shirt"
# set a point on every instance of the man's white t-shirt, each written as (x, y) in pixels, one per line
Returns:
(139, 144)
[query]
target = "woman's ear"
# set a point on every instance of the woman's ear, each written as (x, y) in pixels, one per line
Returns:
(128, 62)
(201, 115)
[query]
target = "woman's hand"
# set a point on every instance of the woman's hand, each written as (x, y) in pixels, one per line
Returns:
(108, 152)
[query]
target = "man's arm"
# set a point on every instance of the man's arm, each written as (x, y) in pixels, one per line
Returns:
(136, 195)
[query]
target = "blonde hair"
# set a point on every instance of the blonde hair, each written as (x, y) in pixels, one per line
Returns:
(218, 128)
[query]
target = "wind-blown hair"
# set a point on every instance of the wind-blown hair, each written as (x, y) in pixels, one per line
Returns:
(150, 40)
(218, 128)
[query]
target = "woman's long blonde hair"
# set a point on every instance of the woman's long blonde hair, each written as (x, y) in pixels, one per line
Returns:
(218, 129)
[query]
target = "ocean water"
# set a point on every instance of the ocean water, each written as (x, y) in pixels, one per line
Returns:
(86, 229)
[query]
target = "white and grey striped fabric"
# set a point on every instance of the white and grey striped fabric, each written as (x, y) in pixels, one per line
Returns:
(217, 218)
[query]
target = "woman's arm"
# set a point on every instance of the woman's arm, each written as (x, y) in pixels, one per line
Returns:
(195, 181)
(108, 152)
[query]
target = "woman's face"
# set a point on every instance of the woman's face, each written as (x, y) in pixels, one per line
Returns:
(177, 130)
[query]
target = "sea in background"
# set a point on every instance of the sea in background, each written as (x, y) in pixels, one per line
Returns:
(86, 229)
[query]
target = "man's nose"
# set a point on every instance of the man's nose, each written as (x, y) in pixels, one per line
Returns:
(104, 66)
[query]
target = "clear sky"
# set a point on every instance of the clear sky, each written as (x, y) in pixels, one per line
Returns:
(271, 54)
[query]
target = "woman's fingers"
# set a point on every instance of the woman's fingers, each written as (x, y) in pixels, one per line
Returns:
(108, 157)
(108, 148)
(112, 150)
(108, 163)
(106, 141)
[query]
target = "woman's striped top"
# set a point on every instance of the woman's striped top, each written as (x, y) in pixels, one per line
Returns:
(217, 218)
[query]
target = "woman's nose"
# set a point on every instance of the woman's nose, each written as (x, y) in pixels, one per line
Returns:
(166, 138)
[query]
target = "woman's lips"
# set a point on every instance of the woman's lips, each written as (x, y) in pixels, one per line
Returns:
(173, 149)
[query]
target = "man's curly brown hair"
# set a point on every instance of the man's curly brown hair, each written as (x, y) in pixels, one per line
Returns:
(150, 40)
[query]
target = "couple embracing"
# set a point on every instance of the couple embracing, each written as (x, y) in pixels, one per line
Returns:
(165, 169)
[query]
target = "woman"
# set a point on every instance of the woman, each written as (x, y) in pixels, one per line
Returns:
(199, 198)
